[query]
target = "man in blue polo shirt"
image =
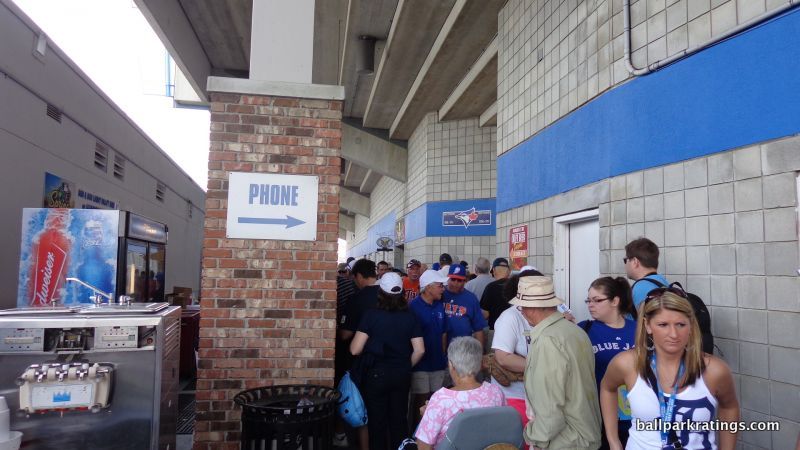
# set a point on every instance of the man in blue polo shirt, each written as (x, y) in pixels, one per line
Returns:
(428, 374)
(462, 308)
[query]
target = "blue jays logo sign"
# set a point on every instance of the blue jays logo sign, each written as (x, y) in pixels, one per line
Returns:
(467, 218)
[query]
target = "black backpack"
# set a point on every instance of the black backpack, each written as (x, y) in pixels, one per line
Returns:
(700, 312)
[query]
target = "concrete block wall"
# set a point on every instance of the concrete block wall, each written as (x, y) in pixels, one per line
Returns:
(727, 228)
(468, 248)
(556, 55)
(539, 218)
(417, 192)
(268, 307)
(461, 160)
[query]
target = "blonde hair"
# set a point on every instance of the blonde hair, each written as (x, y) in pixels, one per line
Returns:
(692, 356)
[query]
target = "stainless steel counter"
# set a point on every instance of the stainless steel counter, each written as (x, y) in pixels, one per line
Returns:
(136, 348)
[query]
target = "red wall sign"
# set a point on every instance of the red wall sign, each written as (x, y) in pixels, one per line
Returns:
(518, 246)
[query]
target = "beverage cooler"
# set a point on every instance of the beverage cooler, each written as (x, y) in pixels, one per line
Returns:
(74, 256)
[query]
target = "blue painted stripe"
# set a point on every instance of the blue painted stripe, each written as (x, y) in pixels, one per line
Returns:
(742, 91)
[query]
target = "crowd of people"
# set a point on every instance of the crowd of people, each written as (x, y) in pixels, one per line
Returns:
(426, 343)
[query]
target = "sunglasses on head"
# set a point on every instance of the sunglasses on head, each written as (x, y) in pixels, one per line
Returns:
(658, 292)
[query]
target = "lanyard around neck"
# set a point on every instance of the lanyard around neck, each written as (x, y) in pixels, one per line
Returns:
(666, 408)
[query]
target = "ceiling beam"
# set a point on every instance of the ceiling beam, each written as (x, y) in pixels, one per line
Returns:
(412, 33)
(370, 181)
(353, 202)
(173, 28)
(473, 76)
(347, 222)
(489, 117)
(379, 154)
(468, 30)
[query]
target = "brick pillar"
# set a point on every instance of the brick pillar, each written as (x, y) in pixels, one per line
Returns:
(268, 307)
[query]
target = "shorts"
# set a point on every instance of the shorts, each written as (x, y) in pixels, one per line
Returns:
(426, 382)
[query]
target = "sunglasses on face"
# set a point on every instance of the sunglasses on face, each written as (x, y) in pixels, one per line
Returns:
(626, 259)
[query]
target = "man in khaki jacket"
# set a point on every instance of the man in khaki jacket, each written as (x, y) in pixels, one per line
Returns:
(559, 373)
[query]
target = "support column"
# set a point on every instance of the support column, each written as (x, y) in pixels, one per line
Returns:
(268, 307)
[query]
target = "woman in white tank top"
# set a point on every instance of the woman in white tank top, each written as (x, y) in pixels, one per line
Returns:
(668, 359)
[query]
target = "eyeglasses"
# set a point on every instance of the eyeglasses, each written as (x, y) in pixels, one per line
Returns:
(658, 292)
(342, 271)
(626, 259)
(590, 301)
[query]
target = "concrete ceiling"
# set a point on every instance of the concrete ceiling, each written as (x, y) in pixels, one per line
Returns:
(428, 56)
(223, 29)
(469, 29)
(414, 29)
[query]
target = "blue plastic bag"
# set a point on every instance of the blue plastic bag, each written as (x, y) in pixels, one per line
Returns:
(351, 405)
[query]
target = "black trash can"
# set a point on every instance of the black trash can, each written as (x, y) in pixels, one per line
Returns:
(289, 417)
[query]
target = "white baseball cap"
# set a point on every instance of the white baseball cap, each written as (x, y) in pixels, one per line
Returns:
(524, 268)
(391, 283)
(431, 276)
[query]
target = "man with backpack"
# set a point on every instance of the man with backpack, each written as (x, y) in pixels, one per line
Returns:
(641, 266)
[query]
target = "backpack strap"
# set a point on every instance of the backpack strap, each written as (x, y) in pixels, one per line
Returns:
(651, 280)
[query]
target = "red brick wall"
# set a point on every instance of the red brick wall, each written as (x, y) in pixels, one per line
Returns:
(268, 307)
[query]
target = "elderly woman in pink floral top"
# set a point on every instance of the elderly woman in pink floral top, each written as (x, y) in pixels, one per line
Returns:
(464, 362)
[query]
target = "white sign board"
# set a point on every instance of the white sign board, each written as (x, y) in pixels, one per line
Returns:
(272, 206)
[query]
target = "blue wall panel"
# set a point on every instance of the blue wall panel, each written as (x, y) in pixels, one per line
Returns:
(384, 227)
(415, 223)
(742, 91)
(435, 227)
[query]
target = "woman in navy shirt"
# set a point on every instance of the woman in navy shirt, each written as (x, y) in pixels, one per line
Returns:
(611, 331)
(391, 337)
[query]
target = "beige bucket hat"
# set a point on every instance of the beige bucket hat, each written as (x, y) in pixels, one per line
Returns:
(536, 292)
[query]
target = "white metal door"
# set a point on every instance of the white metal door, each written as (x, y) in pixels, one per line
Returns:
(584, 264)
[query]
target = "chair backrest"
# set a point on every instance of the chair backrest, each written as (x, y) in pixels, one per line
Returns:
(482, 427)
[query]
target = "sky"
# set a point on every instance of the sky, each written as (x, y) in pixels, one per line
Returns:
(114, 45)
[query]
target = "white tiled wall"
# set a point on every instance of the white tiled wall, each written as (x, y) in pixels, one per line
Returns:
(461, 160)
(446, 161)
(416, 187)
(555, 55)
(468, 249)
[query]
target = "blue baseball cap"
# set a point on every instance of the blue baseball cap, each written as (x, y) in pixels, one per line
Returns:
(457, 271)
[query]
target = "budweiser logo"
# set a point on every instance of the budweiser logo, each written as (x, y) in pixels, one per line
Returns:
(47, 276)
(50, 264)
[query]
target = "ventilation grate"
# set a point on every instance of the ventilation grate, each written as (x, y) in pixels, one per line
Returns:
(100, 156)
(53, 113)
(119, 167)
(161, 190)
